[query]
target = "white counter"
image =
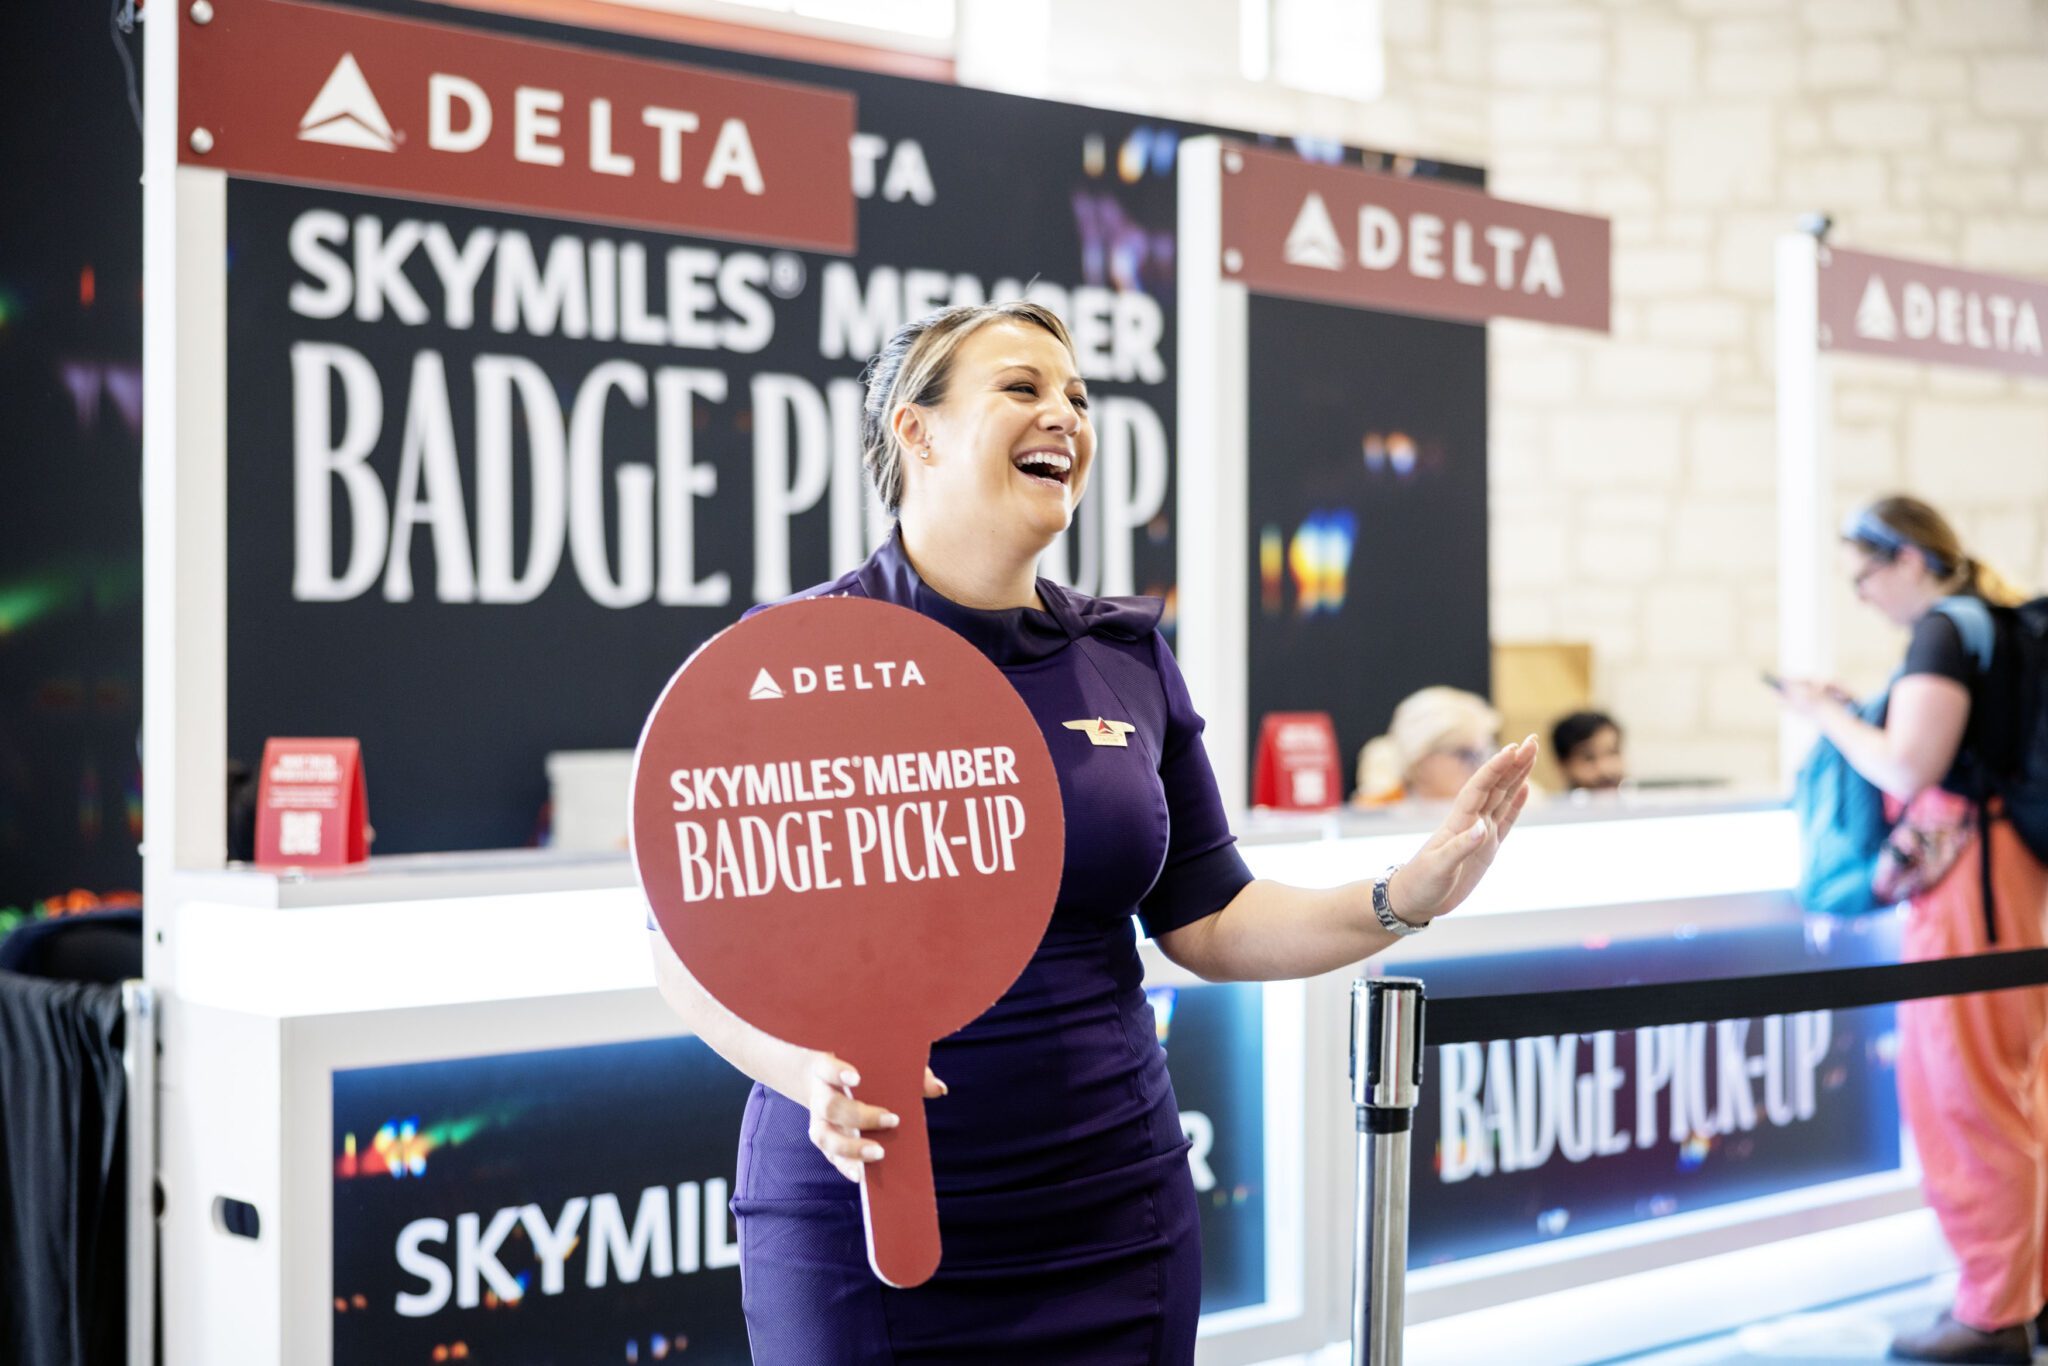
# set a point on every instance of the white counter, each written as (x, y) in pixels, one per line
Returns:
(526, 923)
(281, 981)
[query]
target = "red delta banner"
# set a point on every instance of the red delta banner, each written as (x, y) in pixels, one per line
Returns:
(1345, 235)
(439, 112)
(1911, 310)
(311, 808)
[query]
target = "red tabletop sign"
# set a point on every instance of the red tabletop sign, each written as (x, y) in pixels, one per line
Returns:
(311, 810)
(1297, 767)
(336, 96)
(849, 827)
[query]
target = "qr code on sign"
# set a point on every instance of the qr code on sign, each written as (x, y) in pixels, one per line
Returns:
(298, 832)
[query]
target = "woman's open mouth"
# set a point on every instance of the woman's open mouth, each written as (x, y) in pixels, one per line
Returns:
(1045, 467)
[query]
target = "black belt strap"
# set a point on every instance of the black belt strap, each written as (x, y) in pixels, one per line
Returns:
(1470, 1019)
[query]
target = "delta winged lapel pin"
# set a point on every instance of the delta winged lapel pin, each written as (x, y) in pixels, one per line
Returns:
(1101, 732)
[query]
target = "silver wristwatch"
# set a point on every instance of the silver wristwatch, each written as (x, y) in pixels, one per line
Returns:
(1383, 907)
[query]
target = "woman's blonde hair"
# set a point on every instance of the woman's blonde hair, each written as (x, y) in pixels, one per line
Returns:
(914, 366)
(1424, 723)
(1889, 525)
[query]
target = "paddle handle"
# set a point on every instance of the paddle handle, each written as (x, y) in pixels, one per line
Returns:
(897, 1200)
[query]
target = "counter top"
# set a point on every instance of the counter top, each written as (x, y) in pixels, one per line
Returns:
(501, 872)
(446, 929)
(1261, 826)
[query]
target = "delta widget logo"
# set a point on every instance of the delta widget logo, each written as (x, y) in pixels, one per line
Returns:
(863, 677)
(346, 114)
(1313, 241)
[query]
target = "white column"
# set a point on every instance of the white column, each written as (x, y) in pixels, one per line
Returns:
(1806, 533)
(184, 494)
(1211, 558)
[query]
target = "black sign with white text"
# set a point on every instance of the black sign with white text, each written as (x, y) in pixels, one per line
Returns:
(491, 477)
(572, 1205)
(1523, 1141)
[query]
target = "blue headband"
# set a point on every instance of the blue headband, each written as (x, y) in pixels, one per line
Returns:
(1866, 529)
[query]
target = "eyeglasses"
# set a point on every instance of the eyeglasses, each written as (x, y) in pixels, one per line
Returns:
(1862, 576)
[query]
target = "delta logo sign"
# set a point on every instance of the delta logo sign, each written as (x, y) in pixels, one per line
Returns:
(1980, 320)
(863, 677)
(1506, 257)
(1393, 243)
(346, 114)
(441, 112)
(461, 119)
(1915, 310)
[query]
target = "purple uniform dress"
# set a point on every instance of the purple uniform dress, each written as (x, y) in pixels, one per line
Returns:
(1065, 1206)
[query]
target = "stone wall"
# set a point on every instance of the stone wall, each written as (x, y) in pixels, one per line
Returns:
(1633, 475)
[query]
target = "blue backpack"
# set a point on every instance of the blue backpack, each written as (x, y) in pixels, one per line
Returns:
(2005, 758)
(1842, 827)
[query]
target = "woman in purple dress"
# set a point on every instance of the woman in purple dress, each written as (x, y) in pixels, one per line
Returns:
(1065, 1205)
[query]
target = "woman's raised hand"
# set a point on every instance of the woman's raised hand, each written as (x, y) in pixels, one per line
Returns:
(840, 1125)
(1450, 865)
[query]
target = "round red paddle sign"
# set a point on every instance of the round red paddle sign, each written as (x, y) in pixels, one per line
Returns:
(849, 828)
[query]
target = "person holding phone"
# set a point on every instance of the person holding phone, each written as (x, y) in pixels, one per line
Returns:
(1973, 1070)
(1065, 1204)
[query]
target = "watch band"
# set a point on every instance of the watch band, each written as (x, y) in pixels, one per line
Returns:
(1383, 908)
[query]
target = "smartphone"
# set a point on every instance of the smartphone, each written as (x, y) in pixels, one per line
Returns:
(1773, 682)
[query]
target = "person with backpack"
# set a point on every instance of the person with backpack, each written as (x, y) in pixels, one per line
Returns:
(1949, 750)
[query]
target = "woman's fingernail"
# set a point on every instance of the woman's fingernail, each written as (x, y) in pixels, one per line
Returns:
(890, 1121)
(944, 1089)
(849, 1077)
(871, 1152)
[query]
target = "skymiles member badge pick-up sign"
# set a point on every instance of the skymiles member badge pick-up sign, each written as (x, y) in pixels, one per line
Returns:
(848, 826)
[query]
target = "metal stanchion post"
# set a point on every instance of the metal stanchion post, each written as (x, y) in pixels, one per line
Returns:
(138, 1061)
(1386, 1075)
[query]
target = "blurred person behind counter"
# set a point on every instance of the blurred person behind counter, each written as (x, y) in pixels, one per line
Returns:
(1588, 749)
(1438, 738)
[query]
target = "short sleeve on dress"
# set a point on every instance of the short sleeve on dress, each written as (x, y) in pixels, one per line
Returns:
(1937, 648)
(1203, 870)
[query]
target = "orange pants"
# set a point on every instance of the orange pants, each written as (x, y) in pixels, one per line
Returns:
(1973, 1084)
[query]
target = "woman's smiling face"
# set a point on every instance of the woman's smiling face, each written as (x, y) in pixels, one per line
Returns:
(1009, 447)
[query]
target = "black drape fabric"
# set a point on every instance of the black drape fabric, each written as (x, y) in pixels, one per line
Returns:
(62, 1178)
(86, 946)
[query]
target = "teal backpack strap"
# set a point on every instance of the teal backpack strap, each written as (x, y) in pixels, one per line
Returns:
(1973, 623)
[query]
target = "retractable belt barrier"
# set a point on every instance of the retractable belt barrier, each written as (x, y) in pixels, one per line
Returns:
(1386, 1081)
(1481, 1019)
(1387, 1038)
